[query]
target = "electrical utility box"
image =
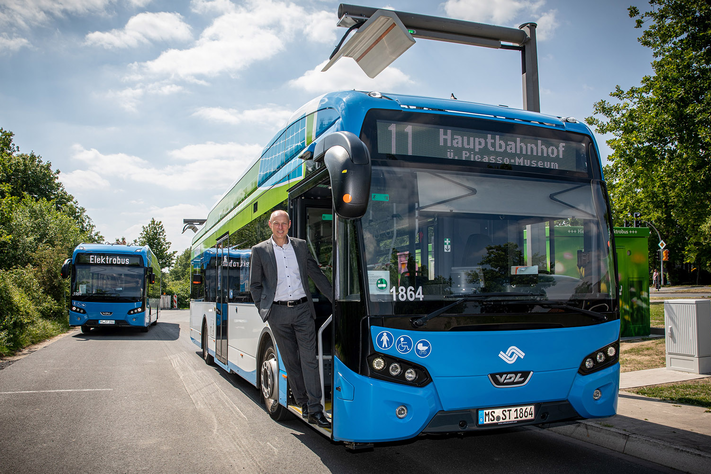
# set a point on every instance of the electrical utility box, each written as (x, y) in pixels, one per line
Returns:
(688, 335)
(633, 273)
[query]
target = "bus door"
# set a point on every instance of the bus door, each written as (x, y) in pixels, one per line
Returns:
(313, 222)
(221, 307)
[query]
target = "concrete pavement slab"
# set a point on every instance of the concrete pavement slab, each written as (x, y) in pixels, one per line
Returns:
(643, 378)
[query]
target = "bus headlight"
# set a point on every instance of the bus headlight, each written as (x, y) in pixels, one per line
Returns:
(410, 375)
(600, 359)
(77, 309)
(398, 370)
(136, 310)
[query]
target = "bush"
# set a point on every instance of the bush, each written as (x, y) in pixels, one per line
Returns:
(26, 320)
(15, 313)
(182, 289)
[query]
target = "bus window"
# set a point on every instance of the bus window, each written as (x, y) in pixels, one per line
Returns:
(197, 283)
(348, 287)
(432, 235)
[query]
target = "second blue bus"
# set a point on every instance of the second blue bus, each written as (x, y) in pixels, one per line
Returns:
(113, 286)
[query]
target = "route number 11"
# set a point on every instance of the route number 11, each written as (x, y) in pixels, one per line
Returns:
(408, 131)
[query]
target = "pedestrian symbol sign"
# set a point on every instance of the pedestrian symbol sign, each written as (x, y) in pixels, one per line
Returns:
(384, 340)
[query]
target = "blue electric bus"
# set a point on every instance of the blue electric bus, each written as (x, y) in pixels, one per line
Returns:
(113, 286)
(436, 221)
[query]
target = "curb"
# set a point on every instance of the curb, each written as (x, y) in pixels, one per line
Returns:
(659, 452)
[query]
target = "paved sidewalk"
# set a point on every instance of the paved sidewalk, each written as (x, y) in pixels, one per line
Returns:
(673, 435)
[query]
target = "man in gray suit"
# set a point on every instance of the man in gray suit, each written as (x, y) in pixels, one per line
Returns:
(279, 271)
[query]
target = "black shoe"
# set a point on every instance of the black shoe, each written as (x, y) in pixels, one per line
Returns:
(320, 420)
(304, 411)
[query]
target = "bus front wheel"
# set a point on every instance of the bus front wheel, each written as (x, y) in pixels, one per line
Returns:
(85, 329)
(209, 360)
(269, 383)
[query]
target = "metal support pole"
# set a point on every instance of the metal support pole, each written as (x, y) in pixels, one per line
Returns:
(529, 64)
(661, 251)
(467, 32)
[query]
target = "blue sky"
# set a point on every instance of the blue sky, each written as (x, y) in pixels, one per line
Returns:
(152, 108)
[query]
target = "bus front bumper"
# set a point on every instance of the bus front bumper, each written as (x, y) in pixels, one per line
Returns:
(367, 410)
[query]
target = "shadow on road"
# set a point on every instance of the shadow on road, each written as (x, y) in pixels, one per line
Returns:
(159, 332)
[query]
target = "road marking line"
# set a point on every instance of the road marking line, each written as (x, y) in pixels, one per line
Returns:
(59, 391)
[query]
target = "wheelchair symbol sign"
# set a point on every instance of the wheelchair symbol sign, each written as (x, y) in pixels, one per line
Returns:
(403, 344)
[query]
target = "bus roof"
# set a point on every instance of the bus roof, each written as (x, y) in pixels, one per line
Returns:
(145, 251)
(351, 108)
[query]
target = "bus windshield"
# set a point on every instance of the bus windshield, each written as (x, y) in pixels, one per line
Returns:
(431, 236)
(108, 283)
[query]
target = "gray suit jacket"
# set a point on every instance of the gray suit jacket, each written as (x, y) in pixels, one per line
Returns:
(263, 275)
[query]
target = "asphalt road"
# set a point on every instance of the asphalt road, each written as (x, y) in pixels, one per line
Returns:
(126, 401)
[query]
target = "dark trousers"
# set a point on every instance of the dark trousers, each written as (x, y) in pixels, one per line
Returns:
(295, 335)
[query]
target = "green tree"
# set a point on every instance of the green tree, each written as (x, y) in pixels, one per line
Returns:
(181, 267)
(661, 140)
(154, 236)
(40, 224)
(28, 175)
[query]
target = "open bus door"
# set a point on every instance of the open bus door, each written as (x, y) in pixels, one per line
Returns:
(341, 187)
(312, 220)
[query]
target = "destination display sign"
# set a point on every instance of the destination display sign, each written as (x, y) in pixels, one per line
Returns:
(504, 150)
(109, 259)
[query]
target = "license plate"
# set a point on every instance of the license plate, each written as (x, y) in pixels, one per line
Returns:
(502, 416)
(107, 321)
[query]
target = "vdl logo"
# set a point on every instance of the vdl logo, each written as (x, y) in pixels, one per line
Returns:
(512, 354)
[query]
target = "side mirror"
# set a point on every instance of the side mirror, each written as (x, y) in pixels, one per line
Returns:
(197, 279)
(348, 162)
(151, 277)
(65, 268)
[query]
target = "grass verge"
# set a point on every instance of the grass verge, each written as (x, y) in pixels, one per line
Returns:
(656, 314)
(691, 392)
(642, 354)
(648, 353)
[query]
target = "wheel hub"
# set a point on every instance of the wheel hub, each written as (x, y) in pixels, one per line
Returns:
(268, 378)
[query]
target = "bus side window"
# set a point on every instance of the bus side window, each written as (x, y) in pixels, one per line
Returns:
(244, 295)
(197, 284)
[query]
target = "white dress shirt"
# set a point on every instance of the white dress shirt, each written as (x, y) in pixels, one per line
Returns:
(289, 284)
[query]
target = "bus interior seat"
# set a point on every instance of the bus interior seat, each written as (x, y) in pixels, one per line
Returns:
(475, 249)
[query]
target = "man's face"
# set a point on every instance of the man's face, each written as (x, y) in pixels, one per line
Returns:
(280, 224)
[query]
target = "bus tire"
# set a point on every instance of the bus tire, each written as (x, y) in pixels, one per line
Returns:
(269, 384)
(85, 329)
(144, 328)
(209, 360)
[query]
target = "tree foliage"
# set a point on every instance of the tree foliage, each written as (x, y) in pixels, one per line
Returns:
(40, 224)
(28, 176)
(661, 139)
(154, 236)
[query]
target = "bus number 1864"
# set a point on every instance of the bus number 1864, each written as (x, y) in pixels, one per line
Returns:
(402, 293)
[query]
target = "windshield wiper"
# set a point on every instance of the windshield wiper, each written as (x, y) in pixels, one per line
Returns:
(420, 322)
(593, 314)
